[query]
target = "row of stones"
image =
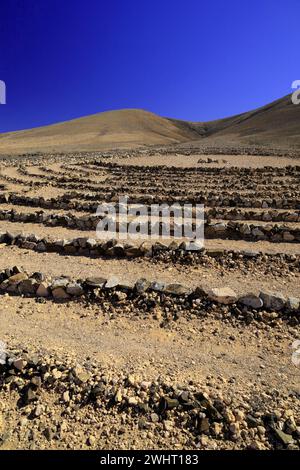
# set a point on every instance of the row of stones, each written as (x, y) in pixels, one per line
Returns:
(211, 199)
(16, 281)
(103, 161)
(289, 170)
(230, 230)
(214, 201)
(65, 203)
(266, 216)
(252, 150)
(151, 182)
(242, 180)
(84, 246)
(290, 199)
(188, 413)
(56, 177)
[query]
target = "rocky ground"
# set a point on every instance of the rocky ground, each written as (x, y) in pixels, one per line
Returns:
(141, 345)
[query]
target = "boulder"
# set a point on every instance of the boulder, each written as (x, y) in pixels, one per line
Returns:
(59, 293)
(293, 304)
(194, 246)
(74, 289)
(258, 233)
(273, 300)
(41, 247)
(16, 278)
(60, 282)
(43, 290)
(251, 300)
(222, 295)
(288, 237)
(28, 287)
(245, 229)
(142, 285)
(133, 252)
(157, 286)
(95, 282)
(112, 282)
(177, 289)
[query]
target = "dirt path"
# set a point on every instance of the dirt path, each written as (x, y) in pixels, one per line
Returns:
(189, 350)
(127, 270)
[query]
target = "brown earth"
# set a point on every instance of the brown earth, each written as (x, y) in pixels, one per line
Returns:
(274, 125)
(247, 366)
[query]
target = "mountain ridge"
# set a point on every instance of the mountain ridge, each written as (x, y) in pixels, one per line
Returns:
(275, 124)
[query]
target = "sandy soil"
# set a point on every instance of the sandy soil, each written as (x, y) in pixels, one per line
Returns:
(126, 270)
(190, 350)
(184, 161)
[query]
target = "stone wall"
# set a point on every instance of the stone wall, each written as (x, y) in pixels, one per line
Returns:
(15, 281)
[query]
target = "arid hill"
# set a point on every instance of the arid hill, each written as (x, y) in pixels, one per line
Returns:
(112, 129)
(274, 125)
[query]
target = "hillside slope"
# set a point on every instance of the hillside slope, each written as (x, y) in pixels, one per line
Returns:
(112, 129)
(274, 125)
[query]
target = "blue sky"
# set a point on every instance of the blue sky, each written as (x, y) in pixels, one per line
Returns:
(191, 59)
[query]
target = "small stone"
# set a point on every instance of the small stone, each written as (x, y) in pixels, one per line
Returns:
(261, 430)
(57, 374)
(118, 396)
(81, 374)
(132, 401)
(239, 415)
(28, 287)
(19, 364)
(234, 428)
(154, 418)
(283, 437)
(203, 425)
(168, 425)
(66, 396)
(38, 411)
(131, 380)
(30, 395)
(37, 381)
(49, 434)
(288, 236)
(60, 283)
(145, 385)
(91, 440)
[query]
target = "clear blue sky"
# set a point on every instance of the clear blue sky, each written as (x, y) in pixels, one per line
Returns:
(189, 59)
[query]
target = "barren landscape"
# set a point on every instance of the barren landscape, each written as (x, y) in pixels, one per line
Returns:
(142, 344)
